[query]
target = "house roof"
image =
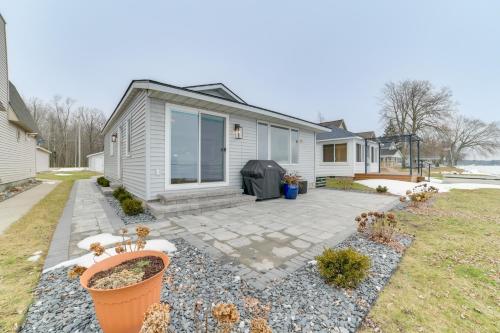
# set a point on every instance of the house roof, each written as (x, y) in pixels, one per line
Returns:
(367, 135)
(388, 152)
(188, 95)
(221, 88)
(336, 133)
(23, 115)
(339, 123)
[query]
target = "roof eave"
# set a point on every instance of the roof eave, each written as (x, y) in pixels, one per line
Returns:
(163, 87)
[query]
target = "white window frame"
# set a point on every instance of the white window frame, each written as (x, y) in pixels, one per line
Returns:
(362, 153)
(269, 138)
(168, 109)
(334, 155)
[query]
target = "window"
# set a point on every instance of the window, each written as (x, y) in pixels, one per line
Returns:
(280, 144)
(341, 152)
(277, 143)
(129, 135)
(335, 152)
(360, 156)
(262, 141)
(294, 141)
(328, 153)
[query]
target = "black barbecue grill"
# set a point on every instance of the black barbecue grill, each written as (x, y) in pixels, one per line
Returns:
(262, 179)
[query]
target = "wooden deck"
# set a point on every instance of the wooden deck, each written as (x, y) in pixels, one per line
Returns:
(401, 177)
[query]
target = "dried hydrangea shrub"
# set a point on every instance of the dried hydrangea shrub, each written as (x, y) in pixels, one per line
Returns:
(260, 325)
(76, 271)
(119, 279)
(226, 315)
(156, 319)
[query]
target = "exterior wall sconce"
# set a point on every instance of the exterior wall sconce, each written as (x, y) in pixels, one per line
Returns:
(114, 137)
(238, 131)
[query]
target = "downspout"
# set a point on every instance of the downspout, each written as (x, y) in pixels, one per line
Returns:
(148, 145)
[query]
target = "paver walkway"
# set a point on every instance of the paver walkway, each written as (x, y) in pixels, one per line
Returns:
(14, 208)
(87, 213)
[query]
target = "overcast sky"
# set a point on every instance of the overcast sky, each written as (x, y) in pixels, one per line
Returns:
(299, 58)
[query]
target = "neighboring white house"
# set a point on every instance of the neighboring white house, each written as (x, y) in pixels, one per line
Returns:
(340, 153)
(42, 158)
(391, 157)
(96, 162)
(162, 138)
(18, 130)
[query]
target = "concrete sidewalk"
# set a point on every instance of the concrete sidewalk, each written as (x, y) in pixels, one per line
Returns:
(14, 208)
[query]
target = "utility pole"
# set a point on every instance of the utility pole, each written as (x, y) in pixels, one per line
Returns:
(79, 143)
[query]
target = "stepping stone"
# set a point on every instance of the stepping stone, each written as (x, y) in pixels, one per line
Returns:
(300, 244)
(257, 238)
(277, 235)
(283, 252)
(223, 247)
(264, 265)
(239, 242)
(223, 234)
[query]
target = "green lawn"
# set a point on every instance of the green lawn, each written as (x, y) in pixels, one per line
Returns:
(33, 232)
(448, 279)
(339, 184)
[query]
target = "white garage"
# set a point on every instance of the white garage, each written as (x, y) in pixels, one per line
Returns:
(96, 162)
(42, 158)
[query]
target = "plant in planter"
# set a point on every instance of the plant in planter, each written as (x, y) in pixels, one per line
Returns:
(124, 285)
(291, 185)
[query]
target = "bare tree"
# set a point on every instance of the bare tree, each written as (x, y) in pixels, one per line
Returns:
(463, 134)
(412, 106)
(70, 132)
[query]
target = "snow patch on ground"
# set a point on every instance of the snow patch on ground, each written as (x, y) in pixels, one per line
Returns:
(63, 174)
(400, 187)
(88, 259)
(105, 240)
(68, 169)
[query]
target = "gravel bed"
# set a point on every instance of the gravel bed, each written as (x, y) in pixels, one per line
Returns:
(300, 303)
(145, 217)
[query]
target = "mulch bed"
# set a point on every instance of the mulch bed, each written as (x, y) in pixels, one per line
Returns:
(155, 265)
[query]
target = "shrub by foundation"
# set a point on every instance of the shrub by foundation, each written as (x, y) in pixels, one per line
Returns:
(124, 196)
(381, 189)
(132, 206)
(103, 182)
(120, 190)
(344, 268)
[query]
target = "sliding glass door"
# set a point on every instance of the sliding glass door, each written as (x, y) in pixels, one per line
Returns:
(197, 148)
(213, 142)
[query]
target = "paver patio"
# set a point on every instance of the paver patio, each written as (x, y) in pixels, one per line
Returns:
(270, 239)
(260, 242)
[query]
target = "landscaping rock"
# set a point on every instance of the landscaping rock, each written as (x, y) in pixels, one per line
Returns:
(301, 302)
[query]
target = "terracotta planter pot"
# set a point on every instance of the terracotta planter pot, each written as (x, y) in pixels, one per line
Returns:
(122, 310)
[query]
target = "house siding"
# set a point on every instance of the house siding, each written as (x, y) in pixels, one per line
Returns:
(17, 158)
(334, 169)
(133, 165)
(240, 151)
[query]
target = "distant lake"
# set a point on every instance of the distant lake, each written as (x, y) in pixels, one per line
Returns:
(493, 170)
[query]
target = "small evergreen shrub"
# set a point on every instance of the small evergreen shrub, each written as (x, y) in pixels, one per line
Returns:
(344, 268)
(132, 206)
(124, 196)
(381, 189)
(119, 191)
(103, 182)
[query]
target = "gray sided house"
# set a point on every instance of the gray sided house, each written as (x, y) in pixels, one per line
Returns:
(17, 128)
(340, 153)
(163, 138)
